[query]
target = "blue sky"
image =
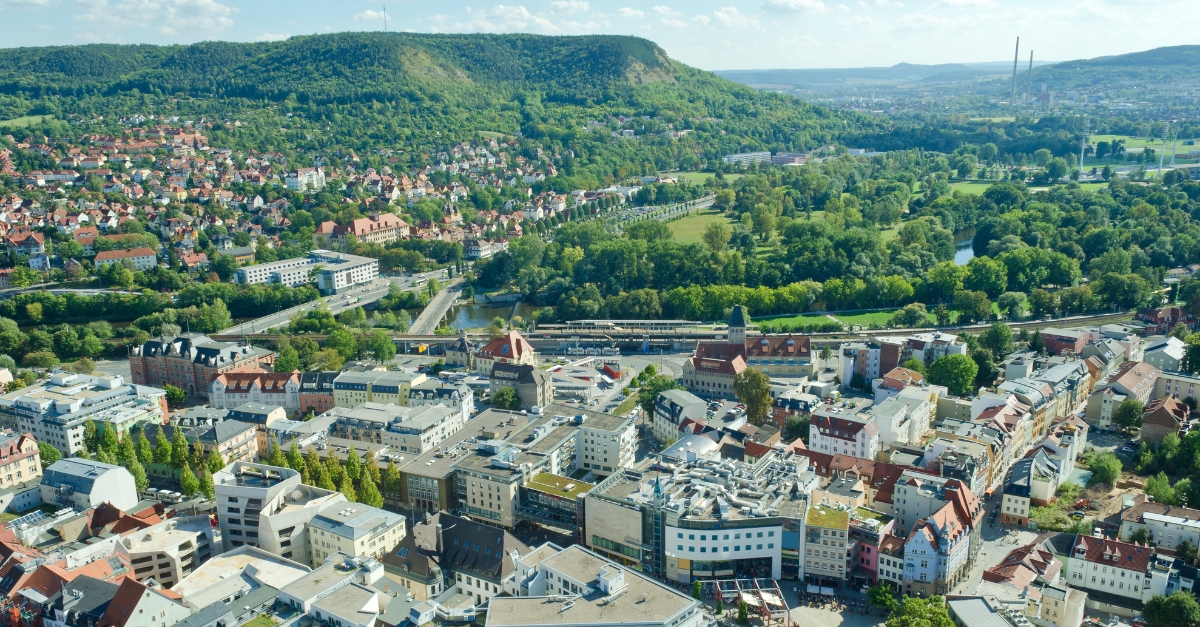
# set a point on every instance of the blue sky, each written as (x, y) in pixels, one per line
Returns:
(710, 34)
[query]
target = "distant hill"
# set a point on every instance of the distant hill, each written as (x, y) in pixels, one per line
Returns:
(1165, 64)
(901, 73)
(532, 84)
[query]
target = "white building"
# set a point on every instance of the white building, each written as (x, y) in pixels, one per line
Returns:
(605, 443)
(171, 550)
(305, 179)
(1165, 354)
(339, 592)
(843, 434)
(673, 407)
(338, 271)
(267, 507)
(84, 484)
(574, 587)
(354, 529)
(1109, 566)
(141, 258)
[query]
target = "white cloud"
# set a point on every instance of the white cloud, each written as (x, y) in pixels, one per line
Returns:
(44, 27)
(964, 3)
(675, 23)
(663, 10)
(628, 12)
(569, 6)
(842, 7)
(793, 6)
(732, 18)
(26, 4)
(167, 15)
(369, 16)
(703, 20)
(271, 37)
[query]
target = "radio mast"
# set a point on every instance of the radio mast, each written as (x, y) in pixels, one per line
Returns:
(385, 18)
(1029, 85)
(1016, 53)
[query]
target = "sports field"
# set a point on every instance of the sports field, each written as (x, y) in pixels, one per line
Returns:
(23, 121)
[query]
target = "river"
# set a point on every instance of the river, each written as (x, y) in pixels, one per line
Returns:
(479, 315)
(963, 250)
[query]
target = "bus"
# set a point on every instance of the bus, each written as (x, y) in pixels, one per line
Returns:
(421, 282)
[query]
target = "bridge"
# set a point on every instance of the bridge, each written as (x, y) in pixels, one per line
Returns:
(435, 310)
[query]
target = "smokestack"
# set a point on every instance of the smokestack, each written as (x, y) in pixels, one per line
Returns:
(1016, 54)
(1029, 85)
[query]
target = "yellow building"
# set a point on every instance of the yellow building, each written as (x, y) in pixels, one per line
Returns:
(351, 389)
(354, 529)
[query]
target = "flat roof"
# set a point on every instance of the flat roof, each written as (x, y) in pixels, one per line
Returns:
(558, 485)
(243, 568)
(644, 600)
(321, 579)
(437, 463)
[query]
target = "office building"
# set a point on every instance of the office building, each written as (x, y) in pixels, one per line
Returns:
(278, 389)
(409, 430)
(335, 272)
(605, 442)
(575, 587)
(747, 158)
(351, 389)
(54, 411)
(230, 576)
(267, 507)
(353, 529)
(673, 407)
(171, 550)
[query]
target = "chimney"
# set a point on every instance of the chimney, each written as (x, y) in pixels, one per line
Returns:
(439, 538)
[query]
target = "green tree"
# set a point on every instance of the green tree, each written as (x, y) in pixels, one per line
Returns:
(716, 236)
(506, 398)
(753, 389)
(1186, 551)
(1178, 610)
(140, 480)
(881, 596)
(48, 454)
(90, 439)
(743, 615)
(175, 396)
(294, 460)
(188, 481)
(275, 455)
(353, 466)
(368, 494)
(288, 359)
(40, 359)
(913, 612)
(343, 342)
(179, 449)
(1141, 535)
(383, 346)
(214, 461)
(1105, 467)
(108, 438)
(144, 453)
(956, 372)
(797, 427)
(697, 590)
(998, 339)
(1036, 343)
(914, 365)
(207, 488)
(650, 389)
(347, 488)
(391, 479)
(1129, 413)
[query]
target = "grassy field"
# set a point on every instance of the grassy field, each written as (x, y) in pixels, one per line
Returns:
(865, 318)
(27, 120)
(800, 319)
(971, 188)
(494, 135)
(1000, 119)
(627, 406)
(690, 230)
(701, 176)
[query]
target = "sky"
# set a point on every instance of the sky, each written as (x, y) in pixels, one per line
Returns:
(708, 34)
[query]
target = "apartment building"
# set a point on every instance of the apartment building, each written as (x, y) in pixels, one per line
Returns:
(1030, 481)
(267, 507)
(443, 551)
(353, 529)
(1133, 380)
(316, 391)
(381, 229)
(171, 550)
(605, 442)
(673, 407)
(55, 410)
(351, 389)
(20, 461)
(409, 430)
(843, 434)
(305, 179)
(1101, 565)
(455, 396)
(826, 546)
(1168, 525)
(141, 258)
(534, 386)
(83, 484)
(278, 389)
(334, 272)
(937, 553)
(190, 361)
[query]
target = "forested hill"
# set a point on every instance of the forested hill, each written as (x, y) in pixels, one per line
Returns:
(435, 85)
(336, 66)
(1160, 65)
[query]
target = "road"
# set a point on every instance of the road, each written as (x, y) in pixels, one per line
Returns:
(635, 214)
(433, 312)
(337, 303)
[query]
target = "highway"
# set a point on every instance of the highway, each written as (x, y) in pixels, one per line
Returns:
(354, 297)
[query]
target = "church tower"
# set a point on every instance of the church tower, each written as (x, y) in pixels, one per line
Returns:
(737, 326)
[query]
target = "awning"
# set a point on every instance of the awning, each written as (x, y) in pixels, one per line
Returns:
(827, 591)
(813, 589)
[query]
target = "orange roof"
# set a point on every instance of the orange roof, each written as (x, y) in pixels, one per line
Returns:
(124, 254)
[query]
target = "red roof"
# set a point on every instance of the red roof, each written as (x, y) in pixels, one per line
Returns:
(124, 254)
(1135, 557)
